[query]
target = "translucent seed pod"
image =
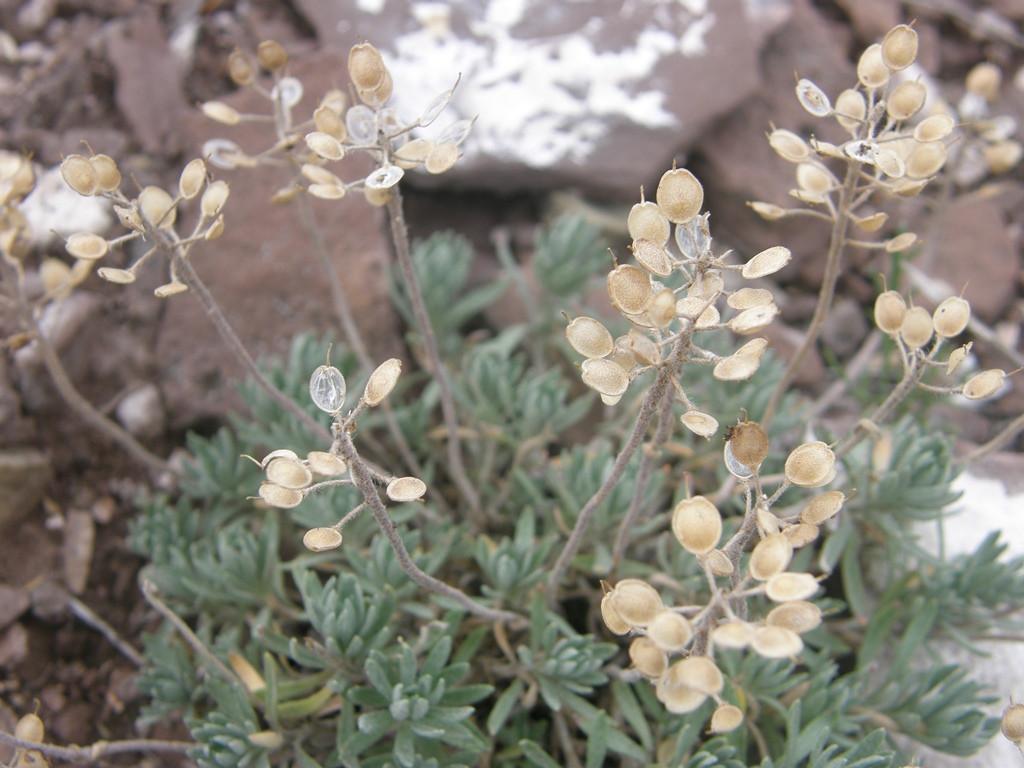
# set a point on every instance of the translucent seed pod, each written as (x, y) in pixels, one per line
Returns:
(799, 616)
(325, 464)
(1011, 724)
(699, 423)
(271, 55)
(644, 350)
(325, 145)
(670, 631)
(434, 109)
(79, 174)
(403, 489)
(812, 98)
(785, 587)
(906, 100)
(811, 465)
(108, 177)
(220, 112)
(749, 443)
(680, 195)
(213, 199)
(114, 275)
(192, 179)
(605, 377)
(366, 67)
(384, 177)
(282, 498)
(733, 634)
(647, 222)
(456, 132)
(647, 658)
(770, 556)
(287, 92)
(727, 718)
(697, 525)
(321, 539)
(589, 337)
(719, 563)
(327, 388)
(699, 673)
(822, 508)
(636, 602)
(984, 385)
(735, 468)
(652, 257)
(441, 157)
(951, 317)
(30, 728)
(87, 246)
(890, 310)
(157, 206)
(629, 289)
(985, 80)
(663, 309)
(767, 262)
(851, 108)
(776, 643)
(926, 160)
(382, 381)
(788, 145)
(736, 367)
(957, 356)
(678, 699)
(745, 298)
(901, 242)
(801, 534)
(916, 330)
(899, 47)
(871, 69)
(240, 68)
(612, 620)
(753, 320)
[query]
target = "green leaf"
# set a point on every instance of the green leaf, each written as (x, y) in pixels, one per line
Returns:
(503, 706)
(536, 755)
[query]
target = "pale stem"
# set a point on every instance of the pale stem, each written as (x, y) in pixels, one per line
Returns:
(899, 393)
(88, 616)
(92, 753)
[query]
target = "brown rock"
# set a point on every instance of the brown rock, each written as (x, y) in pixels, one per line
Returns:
(23, 477)
(13, 603)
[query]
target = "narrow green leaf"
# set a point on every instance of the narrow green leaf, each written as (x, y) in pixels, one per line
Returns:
(503, 707)
(533, 752)
(630, 708)
(921, 624)
(597, 741)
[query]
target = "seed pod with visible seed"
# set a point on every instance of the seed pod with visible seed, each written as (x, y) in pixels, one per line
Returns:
(271, 55)
(412, 153)
(951, 317)
(382, 381)
(801, 534)
(629, 289)
(652, 257)
(749, 443)
(647, 222)
(80, 175)
(767, 262)
(612, 620)
(984, 79)
(906, 100)
(680, 196)
(788, 145)
(984, 384)
(282, 498)
(890, 310)
(85, 245)
(851, 109)
(662, 311)
(289, 473)
(108, 177)
(647, 658)
(366, 67)
(670, 631)
(589, 337)
(406, 489)
(926, 160)
(797, 615)
(699, 673)
(697, 525)
(157, 206)
(733, 634)
(699, 423)
(771, 555)
(784, 587)
(811, 465)
(719, 563)
(325, 464)
(325, 145)
(812, 98)
(727, 718)
(822, 508)
(321, 539)
(240, 68)
(636, 601)
(327, 120)
(899, 47)
(776, 643)
(916, 330)
(871, 69)
(1011, 724)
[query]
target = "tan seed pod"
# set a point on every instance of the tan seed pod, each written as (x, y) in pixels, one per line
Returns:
(916, 330)
(662, 311)
(768, 522)
(851, 109)
(706, 285)
(382, 381)
(375, 197)
(282, 498)
(890, 163)
(289, 473)
(699, 673)
(899, 47)
(785, 587)
(271, 55)
(822, 508)
(213, 199)
(169, 289)
(605, 377)
(1011, 724)
(629, 289)
(788, 145)
(697, 525)
(771, 556)
(327, 120)
(157, 206)
(216, 228)
(114, 275)
(985, 384)
(699, 423)
(776, 643)
(56, 277)
(652, 257)
(193, 176)
(798, 615)
(220, 112)
(366, 67)
(280, 453)
(612, 620)
(984, 79)
(680, 196)
(733, 634)
(441, 157)
(812, 98)
(678, 699)
(321, 539)
(413, 153)
(30, 728)
(636, 602)
(378, 97)
(933, 128)
(906, 100)
(647, 222)
(801, 534)
(767, 262)
(406, 489)
(957, 356)
(647, 658)
(890, 310)
(727, 718)
(644, 350)
(815, 179)
(319, 175)
(670, 631)
(589, 337)
(325, 145)
(875, 221)
(85, 245)
(335, 191)
(901, 242)
(108, 177)
(753, 320)
(749, 443)
(719, 563)
(1002, 156)
(745, 298)
(325, 464)
(926, 160)
(811, 465)
(691, 305)
(768, 211)
(951, 317)
(79, 174)
(871, 69)
(240, 68)
(754, 348)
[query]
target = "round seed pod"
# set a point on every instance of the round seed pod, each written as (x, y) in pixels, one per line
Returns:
(699, 423)
(890, 163)
(767, 521)
(906, 100)
(118, 276)
(589, 337)
(801, 534)
(727, 718)
(890, 311)
(678, 699)
(811, 465)
(647, 658)
(951, 317)
(271, 55)
(441, 157)
(647, 222)
(644, 350)
(753, 320)
(282, 453)
(605, 377)
(662, 311)
(822, 508)
(378, 97)
(767, 262)
(736, 469)
(926, 160)
(670, 631)
(30, 728)
(798, 615)
(629, 289)
(240, 68)
(327, 388)
(652, 257)
(319, 175)
(193, 176)
(412, 153)
(289, 473)
(220, 112)
(156, 205)
(933, 128)
(282, 498)
(213, 199)
(785, 587)
(108, 177)
(745, 298)
(79, 174)
(733, 634)
(815, 180)
(788, 145)
(325, 145)
(87, 246)
(851, 109)
(984, 79)
(406, 489)
(984, 384)
(612, 620)
(636, 602)
(707, 285)
(916, 330)
(366, 67)
(749, 443)
(325, 464)
(321, 539)
(382, 381)
(776, 643)
(899, 47)
(336, 191)
(771, 555)
(699, 673)
(1002, 156)
(812, 98)
(719, 563)
(697, 525)
(377, 197)
(327, 120)
(1011, 724)
(680, 196)
(384, 177)
(871, 69)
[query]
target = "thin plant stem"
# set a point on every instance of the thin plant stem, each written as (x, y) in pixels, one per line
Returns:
(898, 395)
(85, 614)
(92, 753)
(1005, 435)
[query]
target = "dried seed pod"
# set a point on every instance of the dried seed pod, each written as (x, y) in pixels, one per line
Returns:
(287, 92)
(901, 242)
(30, 728)
(801, 534)
(1002, 156)
(329, 191)
(327, 120)
(289, 473)
(985, 384)
(776, 643)
(697, 525)
(699, 423)
(321, 539)
(926, 160)
(951, 317)
(822, 508)
(79, 174)
(678, 699)
(240, 68)
(325, 145)
(366, 67)
(612, 620)
(691, 305)
(636, 602)
(933, 128)
(220, 112)
(916, 330)
(670, 631)
(815, 180)
(890, 163)
(589, 337)
(193, 176)
(871, 69)
(749, 443)
(771, 556)
(768, 522)
(1011, 724)
(406, 489)
(957, 356)
(662, 311)
(745, 298)
(271, 55)
(719, 563)
(906, 100)
(157, 206)
(282, 498)
(325, 464)
(753, 320)
(754, 348)
(327, 388)
(727, 718)
(413, 153)
(283, 453)
(647, 222)
(767, 211)
(812, 98)
(811, 465)
(169, 289)
(375, 196)
(680, 196)
(384, 177)
(108, 177)
(733, 634)
(56, 277)
(851, 108)
(785, 587)
(647, 658)
(798, 615)
(984, 79)
(899, 47)
(699, 673)
(767, 262)
(740, 471)
(213, 199)
(605, 377)
(114, 275)
(644, 350)
(890, 310)
(629, 289)
(441, 157)
(378, 97)
(788, 145)
(706, 286)
(652, 257)
(382, 381)
(873, 222)
(85, 245)
(319, 175)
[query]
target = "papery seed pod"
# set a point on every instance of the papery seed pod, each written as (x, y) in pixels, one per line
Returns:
(378, 97)
(767, 211)
(629, 289)
(900, 242)
(957, 356)
(325, 464)
(328, 191)
(636, 602)
(647, 658)
(754, 348)
(951, 317)
(271, 55)
(213, 199)
(319, 175)
(890, 163)
(406, 489)
(749, 443)
(815, 179)
(771, 556)
(984, 79)
(745, 298)
(325, 145)
(767, 262)
(691, 305)
(733, 634)
(719, 563)
(1002, 156)
(434, 109)
(1011, 724)
(871, 69)
(327, 120)
(456, 132)
(589, 337)
(79, 174)
(327, 388)
(753, 320)
(735, 468)
(114, 275)
(289, 473)
(612, 620)
(376, 197)
(706, 286)
(192, 178)
(282, 498)
(216, 228)
(699, 423)
(680, 195)
(798, 615)
(932, 129)
(785, 587)
(108, 177)
(926, 160)
(776, 643)
(678, 699)
(662, 311)
(812, 98)
(788, 145)
(697, 525)
(282, 453)
(287, 92)
(366, 67)
(647, 222)
(906, 100)
(811, 465)
(768, 522)
(652, 257)
(875, 221)
(157, 206)
(851, 109)
(985, 384)
(85, 245)
(822, 508)
(801, 534)
(220, 112)
(222, 153)
(382, 381)
(727, 718)
(605, 377)
(899, 47)
(384, 177)
(172, 288)
(441, 157)
(916, 330)
(30, 728)
(55, 276)
(890, 310)
(670, 631)
(413, 153)
(644, 350)
(321, 539)
(699, 673)
(240, 68)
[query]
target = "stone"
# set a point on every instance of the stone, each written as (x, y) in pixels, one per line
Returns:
(13, 603)
(24, 473)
